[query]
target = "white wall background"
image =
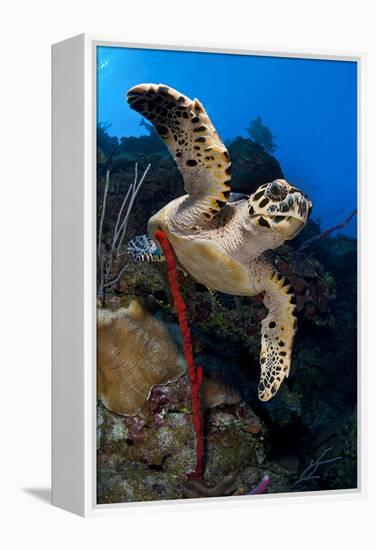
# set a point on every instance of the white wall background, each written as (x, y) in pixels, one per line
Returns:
(27, 30)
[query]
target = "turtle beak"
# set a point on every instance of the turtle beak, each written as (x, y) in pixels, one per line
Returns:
(293, 213)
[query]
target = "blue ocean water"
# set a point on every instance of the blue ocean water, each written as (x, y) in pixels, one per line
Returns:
(309, 105)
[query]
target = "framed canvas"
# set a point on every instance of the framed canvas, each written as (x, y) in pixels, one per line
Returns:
(206, 275)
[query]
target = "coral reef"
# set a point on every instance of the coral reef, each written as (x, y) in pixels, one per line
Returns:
(110, 261)
(315, 289)
(148, 456)
(197, 488)
(214, 393)
(135, 352)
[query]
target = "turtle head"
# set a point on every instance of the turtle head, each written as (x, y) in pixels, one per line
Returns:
(280, 207)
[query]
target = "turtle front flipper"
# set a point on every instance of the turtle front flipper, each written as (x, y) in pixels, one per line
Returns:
(143, 249)
(277, 335)
(191, 138)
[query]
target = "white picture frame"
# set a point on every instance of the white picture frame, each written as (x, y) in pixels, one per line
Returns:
(74, 280)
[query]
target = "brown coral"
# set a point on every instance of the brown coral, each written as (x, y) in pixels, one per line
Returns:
(311, 292)
(134, 353)
(197, 488)
(214, 393)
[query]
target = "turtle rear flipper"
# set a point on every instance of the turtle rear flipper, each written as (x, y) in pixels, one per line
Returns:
(143, 249)
(277, 335)
(225, 301)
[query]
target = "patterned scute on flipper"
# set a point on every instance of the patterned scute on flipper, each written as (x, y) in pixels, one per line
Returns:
(191, 138)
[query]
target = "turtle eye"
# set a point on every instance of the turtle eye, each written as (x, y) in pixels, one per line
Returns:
(276, 191)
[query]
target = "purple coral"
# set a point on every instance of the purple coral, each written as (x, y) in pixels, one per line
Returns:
(261, 487)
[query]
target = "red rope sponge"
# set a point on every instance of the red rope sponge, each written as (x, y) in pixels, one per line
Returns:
(195, 374)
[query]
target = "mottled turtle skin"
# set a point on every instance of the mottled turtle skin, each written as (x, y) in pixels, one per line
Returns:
(223, 243)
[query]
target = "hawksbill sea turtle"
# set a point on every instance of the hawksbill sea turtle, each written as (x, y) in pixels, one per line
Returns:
(222, 241)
